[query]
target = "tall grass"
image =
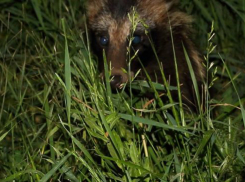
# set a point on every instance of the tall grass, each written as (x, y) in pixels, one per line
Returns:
(60, 122)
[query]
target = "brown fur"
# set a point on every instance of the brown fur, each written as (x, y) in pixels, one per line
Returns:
(109, 18)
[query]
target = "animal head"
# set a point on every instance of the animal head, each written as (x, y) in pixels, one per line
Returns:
(111, 28)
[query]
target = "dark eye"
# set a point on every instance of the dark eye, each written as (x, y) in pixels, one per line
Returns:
(137, 39)
(103, 40)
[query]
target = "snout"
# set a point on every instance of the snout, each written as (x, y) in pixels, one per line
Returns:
(116, 81)
(119, 78)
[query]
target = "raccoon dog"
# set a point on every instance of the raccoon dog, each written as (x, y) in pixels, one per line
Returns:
(110, 29)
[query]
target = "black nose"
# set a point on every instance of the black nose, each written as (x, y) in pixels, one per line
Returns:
(116, 81)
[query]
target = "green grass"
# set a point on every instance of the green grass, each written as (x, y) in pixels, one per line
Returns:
(58, 121)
